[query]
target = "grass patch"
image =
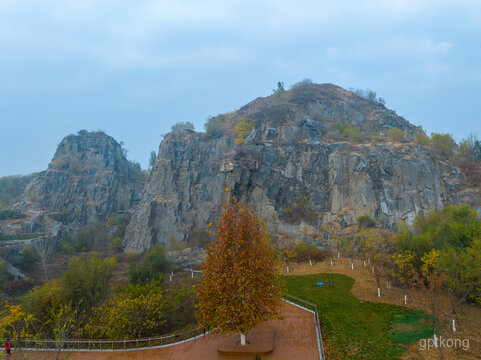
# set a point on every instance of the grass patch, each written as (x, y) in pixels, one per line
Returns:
(19, 237)
(354, 329)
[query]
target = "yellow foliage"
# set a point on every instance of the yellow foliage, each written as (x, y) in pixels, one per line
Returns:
(239, 286)
(242, 129)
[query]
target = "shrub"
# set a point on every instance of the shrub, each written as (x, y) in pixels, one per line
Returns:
(443, 143)
(151, 267)
(180, 126)
(199, 238)
(214, 127)
(366, 222)
(300, 210)
(348, 131)
(11, 214)
(242, 129)
(301, 83)
(136, 173)
(82, 241)
(369, 95)
(397, 134)
(280, 88)
(471, 148)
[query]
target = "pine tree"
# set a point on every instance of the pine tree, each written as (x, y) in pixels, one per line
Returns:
(240, 286)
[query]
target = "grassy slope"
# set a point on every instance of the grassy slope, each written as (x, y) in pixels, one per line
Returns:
(354, 329)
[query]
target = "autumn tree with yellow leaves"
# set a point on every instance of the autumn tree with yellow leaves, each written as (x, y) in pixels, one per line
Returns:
(240, 286)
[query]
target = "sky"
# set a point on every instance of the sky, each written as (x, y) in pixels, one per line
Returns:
(135, 68)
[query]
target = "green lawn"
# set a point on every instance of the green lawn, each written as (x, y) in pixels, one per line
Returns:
(19, 237)
(353, 329)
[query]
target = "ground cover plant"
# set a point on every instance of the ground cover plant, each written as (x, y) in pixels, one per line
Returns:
(354, 329)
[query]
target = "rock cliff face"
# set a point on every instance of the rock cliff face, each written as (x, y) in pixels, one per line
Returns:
(294, 169)
(87, 180)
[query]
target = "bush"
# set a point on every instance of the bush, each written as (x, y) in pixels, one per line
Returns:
(348, 131)
(82, 241)
(151, 267)
(214, 127)
(29, 258)
(443, 143)
(280, 89)
(180, 126)
(369, 95)
(397, 134)
(242, 129)
(366, 222)
(300, 210)
(136, 173)
(11, 214)
(471, 148)
(199, 238)
(304, 252)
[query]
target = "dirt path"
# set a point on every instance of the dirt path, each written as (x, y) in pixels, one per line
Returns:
(295, 339)
(365, 289)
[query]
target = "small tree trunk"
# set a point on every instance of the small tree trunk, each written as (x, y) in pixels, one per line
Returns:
(373, 269)
(352, 266)
(378, 292)
(454, 325)
(310, 262)
(287, 269)
(243, 339)
(405, 299)
(369, 261)
(331, 262)
(364, 263)
(338, 255)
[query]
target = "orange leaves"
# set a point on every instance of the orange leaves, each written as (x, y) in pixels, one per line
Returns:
(240, 287)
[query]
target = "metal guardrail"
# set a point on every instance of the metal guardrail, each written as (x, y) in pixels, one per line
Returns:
(109, 345)
(302, 303)
(149, 342)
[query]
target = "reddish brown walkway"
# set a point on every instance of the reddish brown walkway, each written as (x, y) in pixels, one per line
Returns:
(295, 338)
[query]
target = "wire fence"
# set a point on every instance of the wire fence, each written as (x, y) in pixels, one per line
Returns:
(313, 307)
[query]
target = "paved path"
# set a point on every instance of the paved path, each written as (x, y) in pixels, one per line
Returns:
(295, 339)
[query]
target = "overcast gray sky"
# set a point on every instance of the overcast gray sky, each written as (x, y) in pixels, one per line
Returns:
(134, 68)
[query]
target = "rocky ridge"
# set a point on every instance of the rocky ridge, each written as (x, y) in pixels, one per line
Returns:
(291, 156)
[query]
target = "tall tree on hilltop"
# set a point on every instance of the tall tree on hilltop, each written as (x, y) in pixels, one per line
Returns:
(239, 286)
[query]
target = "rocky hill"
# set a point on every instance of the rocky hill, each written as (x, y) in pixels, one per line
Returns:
(87, 180)
(305, 157)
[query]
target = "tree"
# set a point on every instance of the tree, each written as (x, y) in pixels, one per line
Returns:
(280, 88)
(429, 281)
(240, 287)
(331, 231)
(86, 283)
(152, 160)
(180, 126)
(377, 247)
(44, 251)
(137, 311)
(151, 267)
(403, 270)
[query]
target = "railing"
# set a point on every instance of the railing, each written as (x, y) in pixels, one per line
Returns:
(150, 342)
(109, 345)
(312, 307)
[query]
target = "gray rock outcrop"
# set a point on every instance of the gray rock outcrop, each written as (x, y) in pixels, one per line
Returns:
(290, 157)
(88, 179)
